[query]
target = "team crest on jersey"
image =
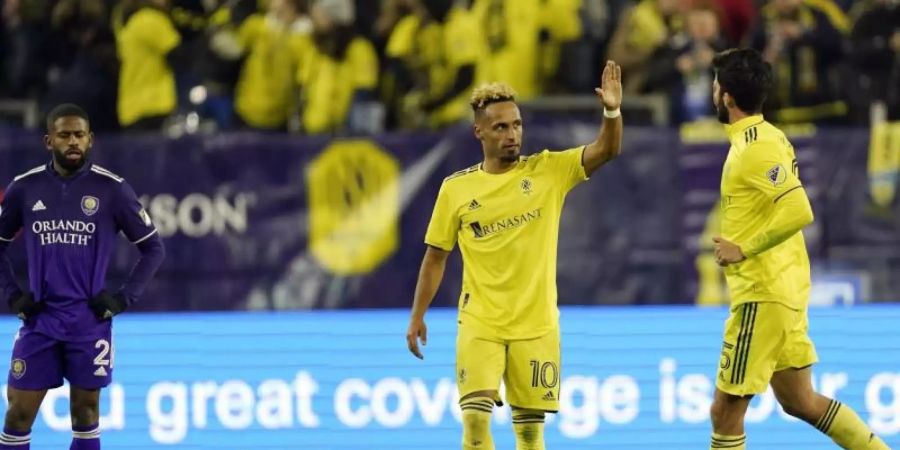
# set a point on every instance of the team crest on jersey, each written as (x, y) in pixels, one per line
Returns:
(18, 368)
(526, 186)
(145, 217)
(462, 375)
(776, 175)
(89, 205)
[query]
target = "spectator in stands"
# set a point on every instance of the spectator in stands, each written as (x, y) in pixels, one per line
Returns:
(84, 64)
(218, 73)
(874, 50)
(338, 73)
(683, 67)
(598, 20)
(643, 29)
(560, 26)
(4, 50)
(802, 40)
(391, 13)
(148, 48)
(273, 45)
(511, 30)
(875, 56)
(25, 22)
(438, 47)
(736, 18)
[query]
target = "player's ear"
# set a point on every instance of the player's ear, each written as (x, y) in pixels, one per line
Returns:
(47, 142)
(728, 100)
(90, 139)
(476, 130)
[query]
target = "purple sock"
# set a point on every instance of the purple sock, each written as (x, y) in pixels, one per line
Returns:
(85, 438)
(15, 440)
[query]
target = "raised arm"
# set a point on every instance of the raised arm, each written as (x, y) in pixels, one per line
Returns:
(608, 144)
(430, 275)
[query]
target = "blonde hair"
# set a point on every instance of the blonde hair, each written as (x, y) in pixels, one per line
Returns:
(488, 93)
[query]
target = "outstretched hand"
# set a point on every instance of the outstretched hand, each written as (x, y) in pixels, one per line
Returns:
(610, 90)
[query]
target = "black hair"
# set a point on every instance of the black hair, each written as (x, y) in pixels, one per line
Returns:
(66, 110)
(744, 75)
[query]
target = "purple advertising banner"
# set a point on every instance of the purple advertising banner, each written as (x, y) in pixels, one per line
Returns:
(263, 221)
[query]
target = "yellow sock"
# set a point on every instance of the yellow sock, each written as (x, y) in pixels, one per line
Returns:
(476, 418)
(720, 441)
(845, 428)
(529, 428)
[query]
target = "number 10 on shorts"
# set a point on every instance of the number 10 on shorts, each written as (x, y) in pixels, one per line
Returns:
(544, 375)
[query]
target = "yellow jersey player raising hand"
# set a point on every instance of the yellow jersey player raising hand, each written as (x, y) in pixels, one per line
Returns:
(764, 209)
(505, 212)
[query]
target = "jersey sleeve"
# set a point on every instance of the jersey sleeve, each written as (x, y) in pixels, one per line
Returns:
(768, 170)
(461, 40)
(444, 226)
(401, 42)
(10, 213)
(567, 167)
(131, 217)
(365, 64)
(156, 30)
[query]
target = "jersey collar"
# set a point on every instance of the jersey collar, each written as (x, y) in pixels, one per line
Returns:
(738, 127)
(83, 170)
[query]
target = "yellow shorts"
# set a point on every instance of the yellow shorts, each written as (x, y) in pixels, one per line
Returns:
(761, 339)
(529, 368)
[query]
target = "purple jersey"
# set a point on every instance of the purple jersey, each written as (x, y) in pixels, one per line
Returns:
(70, 227)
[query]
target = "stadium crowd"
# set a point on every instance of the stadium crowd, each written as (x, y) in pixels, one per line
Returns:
(356, 66)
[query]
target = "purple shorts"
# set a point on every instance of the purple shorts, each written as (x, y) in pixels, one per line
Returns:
(41, 362)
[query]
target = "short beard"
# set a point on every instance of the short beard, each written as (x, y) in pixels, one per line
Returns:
(65, 163)
(509, 158)
(722, 111)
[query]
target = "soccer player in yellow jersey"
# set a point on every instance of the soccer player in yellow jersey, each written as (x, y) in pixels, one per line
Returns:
(761, 247)
(505, 212)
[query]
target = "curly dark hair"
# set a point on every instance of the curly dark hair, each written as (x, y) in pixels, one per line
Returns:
(744, 75)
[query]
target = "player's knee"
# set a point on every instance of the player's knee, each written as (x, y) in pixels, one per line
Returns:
(85, 413)
(476, 424)
(476, 418)
(19, 417)
(528, 426)
(719, 414)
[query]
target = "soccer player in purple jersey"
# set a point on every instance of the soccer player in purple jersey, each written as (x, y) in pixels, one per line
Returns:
(70, 212)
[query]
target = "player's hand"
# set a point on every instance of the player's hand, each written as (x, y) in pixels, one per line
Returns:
(106, 305)
(610, 90)
(417, 331)
(25, 306)
(727, 252)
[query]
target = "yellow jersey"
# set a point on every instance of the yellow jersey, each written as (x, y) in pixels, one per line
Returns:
(512, 29)
(266, 95)
(507, 226)
(761, 168)
(328, 85)
(440, 50)
(146, 82)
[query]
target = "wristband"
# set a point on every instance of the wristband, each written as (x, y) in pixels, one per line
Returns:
(611, 114)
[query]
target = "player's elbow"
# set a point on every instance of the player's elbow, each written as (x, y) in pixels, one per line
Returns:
(802, 217)
(807, 216)
(153, 248)
(614, 151)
